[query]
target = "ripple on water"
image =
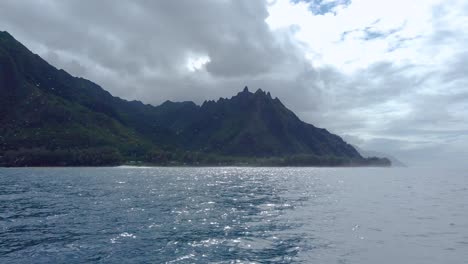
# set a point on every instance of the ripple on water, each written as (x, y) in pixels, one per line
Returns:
(229, 215)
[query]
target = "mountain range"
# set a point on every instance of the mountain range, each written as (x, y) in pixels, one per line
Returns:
(51, 118)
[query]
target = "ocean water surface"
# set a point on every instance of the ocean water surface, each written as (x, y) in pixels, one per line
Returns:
(233, 215)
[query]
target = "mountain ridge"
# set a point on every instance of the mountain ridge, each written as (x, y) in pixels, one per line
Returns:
(50, 117)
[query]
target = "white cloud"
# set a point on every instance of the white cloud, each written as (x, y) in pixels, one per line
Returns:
(396, 71)
(400, 30)
(196, 63)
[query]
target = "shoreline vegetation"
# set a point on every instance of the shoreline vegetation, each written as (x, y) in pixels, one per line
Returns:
(106, 156)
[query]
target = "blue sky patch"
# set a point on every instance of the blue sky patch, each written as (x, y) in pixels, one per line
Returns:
(321, 7)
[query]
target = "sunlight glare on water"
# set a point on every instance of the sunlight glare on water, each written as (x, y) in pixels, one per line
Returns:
(229, 215)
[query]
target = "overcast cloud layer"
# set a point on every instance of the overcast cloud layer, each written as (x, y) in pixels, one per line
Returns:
(388, 76)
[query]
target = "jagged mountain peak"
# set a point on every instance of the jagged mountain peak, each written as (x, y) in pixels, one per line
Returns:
(5, 35)
(246, 91)
(258, 94)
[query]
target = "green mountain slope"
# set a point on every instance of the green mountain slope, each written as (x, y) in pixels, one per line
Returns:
(39, 117)
(49, 117)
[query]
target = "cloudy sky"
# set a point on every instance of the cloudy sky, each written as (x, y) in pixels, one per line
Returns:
(387, 75)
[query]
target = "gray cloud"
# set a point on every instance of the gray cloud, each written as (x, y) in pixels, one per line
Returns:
(149, 40)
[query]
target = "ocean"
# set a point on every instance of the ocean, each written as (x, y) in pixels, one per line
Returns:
(233, 215)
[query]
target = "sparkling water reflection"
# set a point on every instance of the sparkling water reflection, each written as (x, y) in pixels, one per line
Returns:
(233, 215)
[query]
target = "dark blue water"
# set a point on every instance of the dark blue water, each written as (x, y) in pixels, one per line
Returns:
(233, 215)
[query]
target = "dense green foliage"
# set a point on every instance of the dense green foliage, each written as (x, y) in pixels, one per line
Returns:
(104, 156)
(50, 118)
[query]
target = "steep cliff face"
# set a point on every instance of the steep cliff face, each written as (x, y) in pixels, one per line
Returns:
(48, 109)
